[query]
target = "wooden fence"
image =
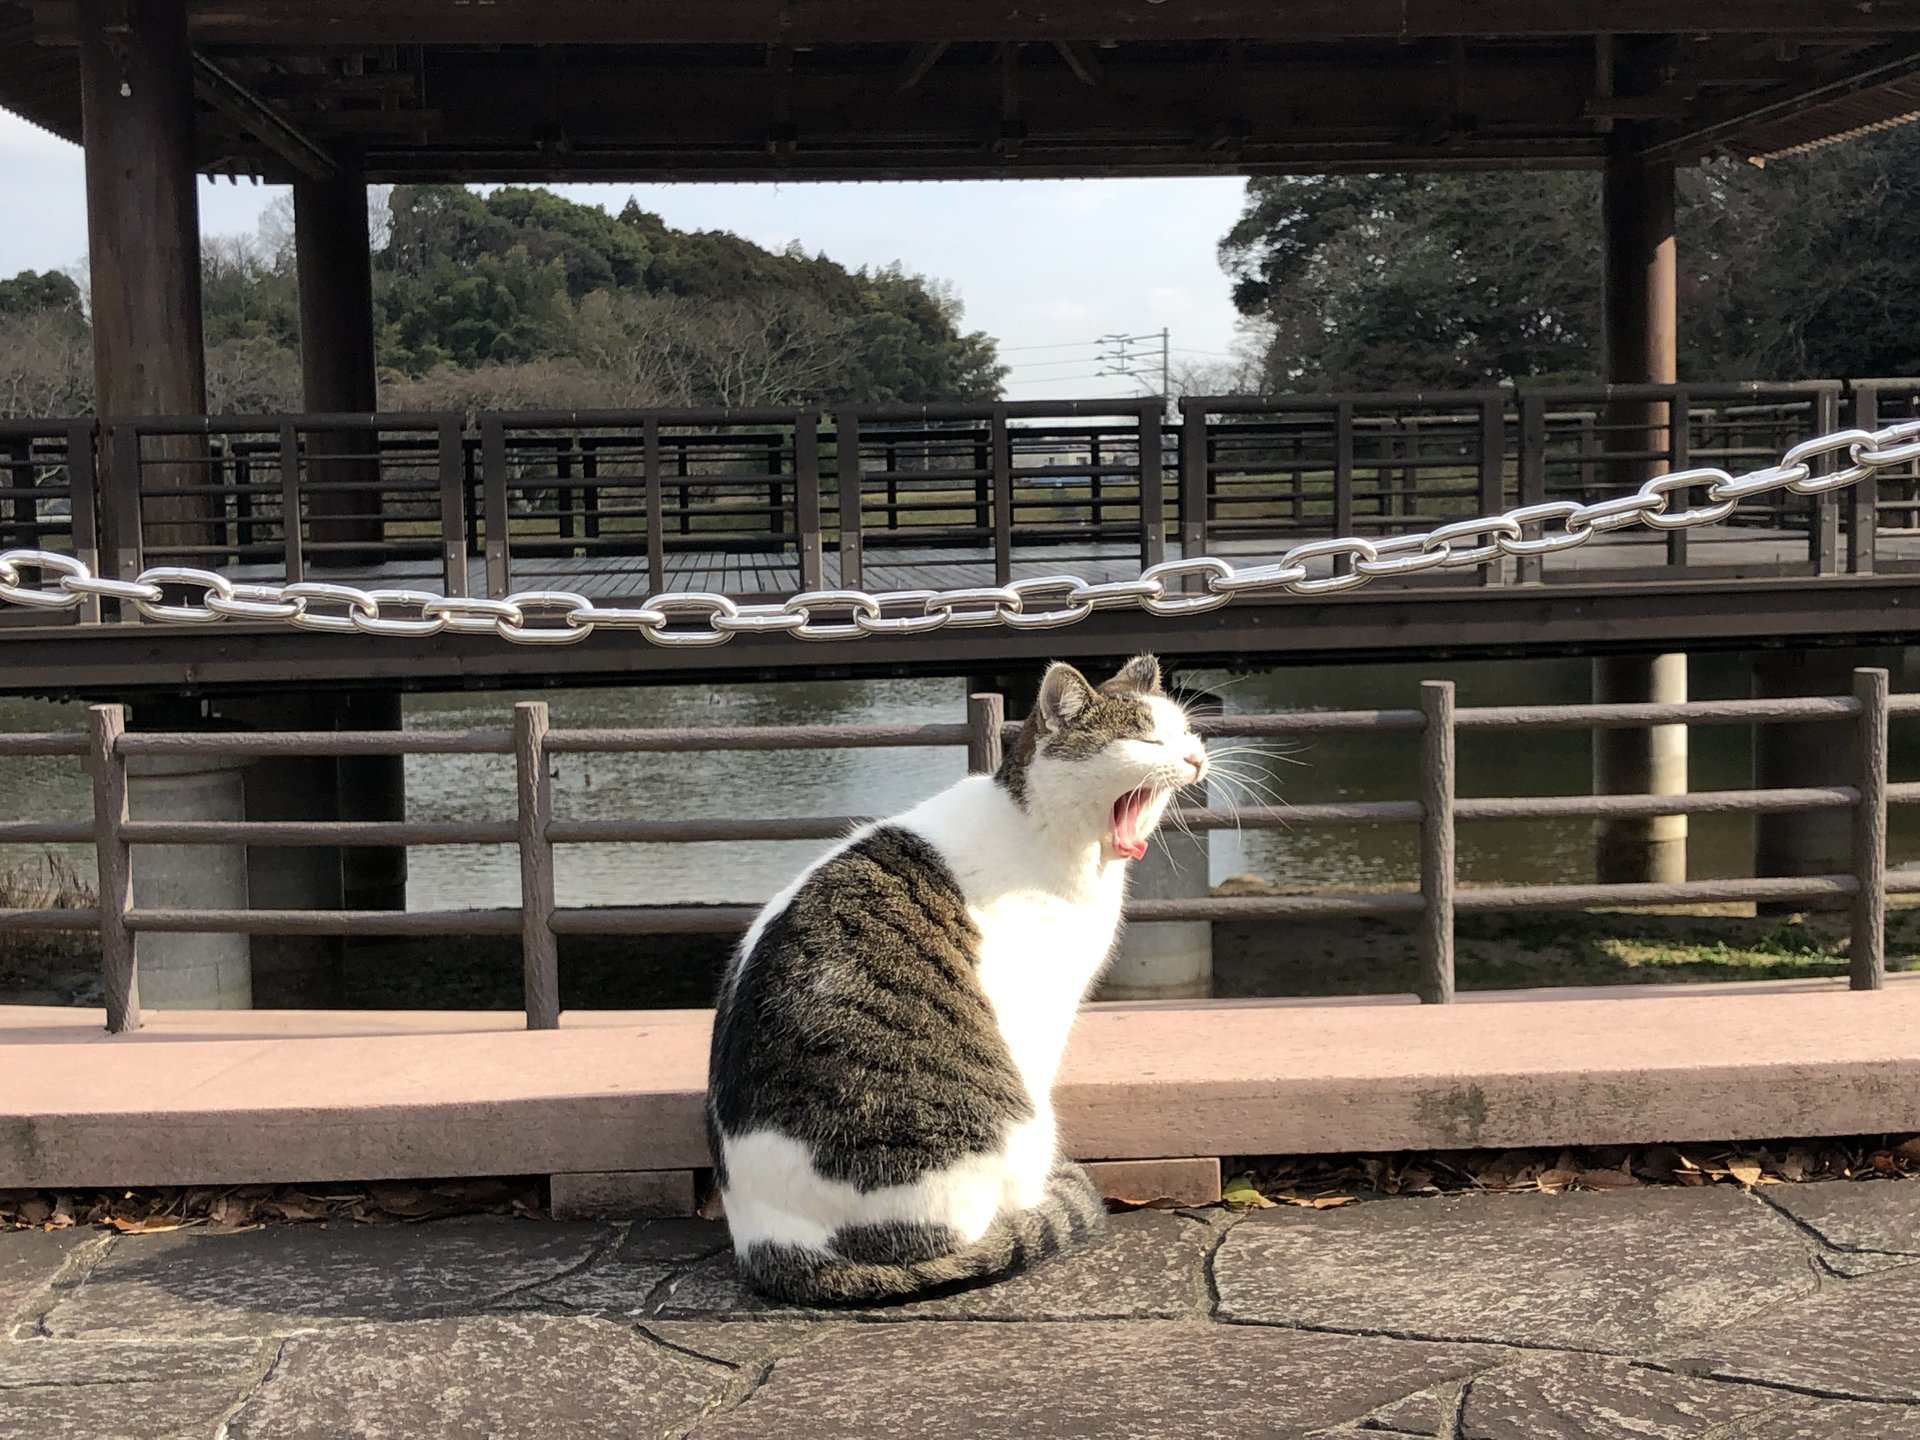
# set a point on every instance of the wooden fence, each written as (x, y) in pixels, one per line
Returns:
(538, 920)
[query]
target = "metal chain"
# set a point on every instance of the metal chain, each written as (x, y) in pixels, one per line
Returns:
(561, 617)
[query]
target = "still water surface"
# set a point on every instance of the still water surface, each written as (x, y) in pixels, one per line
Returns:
(836, 782)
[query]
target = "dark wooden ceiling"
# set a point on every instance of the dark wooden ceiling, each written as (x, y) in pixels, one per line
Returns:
(879, 89)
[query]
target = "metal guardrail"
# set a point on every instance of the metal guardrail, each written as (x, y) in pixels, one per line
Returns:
(539, 920)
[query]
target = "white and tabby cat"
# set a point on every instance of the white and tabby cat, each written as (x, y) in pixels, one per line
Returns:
(879, 1099)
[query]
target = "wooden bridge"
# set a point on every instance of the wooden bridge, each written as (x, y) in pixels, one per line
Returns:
(759, 504)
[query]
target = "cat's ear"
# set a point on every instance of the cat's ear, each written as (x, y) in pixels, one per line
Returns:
(1064, 694)
(1140, 676)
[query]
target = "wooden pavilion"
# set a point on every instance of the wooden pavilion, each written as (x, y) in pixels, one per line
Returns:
(330, 95)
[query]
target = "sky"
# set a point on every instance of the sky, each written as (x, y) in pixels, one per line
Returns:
(1045, 266)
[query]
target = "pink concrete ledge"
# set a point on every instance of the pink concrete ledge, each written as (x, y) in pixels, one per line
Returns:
(236, 1097)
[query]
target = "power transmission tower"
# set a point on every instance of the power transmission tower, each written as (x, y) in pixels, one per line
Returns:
(1134, 356)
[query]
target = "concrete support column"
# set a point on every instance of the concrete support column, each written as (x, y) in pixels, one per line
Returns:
(337, 372)
(309, 971)
(190, 972)
(1640, 340)
(1810, 753)
(1652, 761)
(143, 231)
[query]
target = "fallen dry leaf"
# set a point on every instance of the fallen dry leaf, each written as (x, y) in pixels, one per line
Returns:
(1746, 1170)
(1607, 1179)
(148, 1225)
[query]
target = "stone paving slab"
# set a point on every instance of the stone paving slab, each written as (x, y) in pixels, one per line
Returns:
(555, 1377)
(1859, 1339)
(1143, 1380)
(146, 1390)
(1578, 1271)
(625, 1282)
(29, 1259)
(1147, 1264)
(1635, 1315)
(263, 1282)
(1869, 1225)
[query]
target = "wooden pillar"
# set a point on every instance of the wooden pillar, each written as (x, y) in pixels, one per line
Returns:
(143, 226)
(1641, 317)
(337, 374)
(1640, 335)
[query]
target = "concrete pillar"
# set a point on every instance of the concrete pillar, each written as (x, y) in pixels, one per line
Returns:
(1810, 753)
(337, 372)
(1168, 959)
(143, 230)
(309, 971)
(1640, 346)
(1652, 761)
(293, 971)
(190, 972)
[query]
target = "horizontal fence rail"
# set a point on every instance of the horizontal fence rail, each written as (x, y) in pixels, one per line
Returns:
(1860, 719)
(778, 501)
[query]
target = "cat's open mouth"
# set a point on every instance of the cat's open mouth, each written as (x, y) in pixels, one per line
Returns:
(1130, 826)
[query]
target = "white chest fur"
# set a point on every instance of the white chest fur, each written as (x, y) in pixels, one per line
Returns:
(1046, 920)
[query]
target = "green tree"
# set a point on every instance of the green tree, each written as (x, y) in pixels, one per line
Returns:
(32, 291)
(1808, 267)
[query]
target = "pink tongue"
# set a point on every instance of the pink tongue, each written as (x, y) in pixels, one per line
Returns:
(1128, 811)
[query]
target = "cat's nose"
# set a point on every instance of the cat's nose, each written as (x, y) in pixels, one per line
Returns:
(1196, 757)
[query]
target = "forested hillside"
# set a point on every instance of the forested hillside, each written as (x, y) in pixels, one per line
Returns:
(525, 298)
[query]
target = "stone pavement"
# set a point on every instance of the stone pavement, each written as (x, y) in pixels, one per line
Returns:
(1793, 1311)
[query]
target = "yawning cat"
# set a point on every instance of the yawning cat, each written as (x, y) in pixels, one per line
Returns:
(879, 1100)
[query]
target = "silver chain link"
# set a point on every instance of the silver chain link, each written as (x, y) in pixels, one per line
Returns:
(561, 617)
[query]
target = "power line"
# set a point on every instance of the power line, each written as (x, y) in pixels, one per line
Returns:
(1067, 345)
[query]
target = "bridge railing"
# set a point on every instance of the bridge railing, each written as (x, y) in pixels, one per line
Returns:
(1860, 720)
(1889, 500)
(984, 487)
(47, 491)
(768, 502)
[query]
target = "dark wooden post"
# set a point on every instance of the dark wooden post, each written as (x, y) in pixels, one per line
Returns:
(1493, 474)
(1002, 445)
(1868, 944)
(1641, 323)
(1533, 473)
(806, 497)
(1193, 478)
(846, 463)
(986, 716)
(119, 980)
(655, 504)
(1863, 499)
(1153, 505)
(336, 360)
(538, 945)
(1436, 842)
(143, 230)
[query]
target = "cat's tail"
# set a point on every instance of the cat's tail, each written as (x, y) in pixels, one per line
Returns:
(1071, 1212)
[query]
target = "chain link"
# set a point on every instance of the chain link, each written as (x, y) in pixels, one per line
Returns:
(180, 595)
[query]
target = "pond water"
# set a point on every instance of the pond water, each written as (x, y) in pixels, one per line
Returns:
(835, 782)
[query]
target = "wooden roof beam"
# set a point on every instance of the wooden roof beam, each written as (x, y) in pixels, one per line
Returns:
(1723, 122)
(298, 24)
(217, 89)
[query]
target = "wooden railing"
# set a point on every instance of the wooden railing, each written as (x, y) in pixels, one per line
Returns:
(769, 502)
(539, 920)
